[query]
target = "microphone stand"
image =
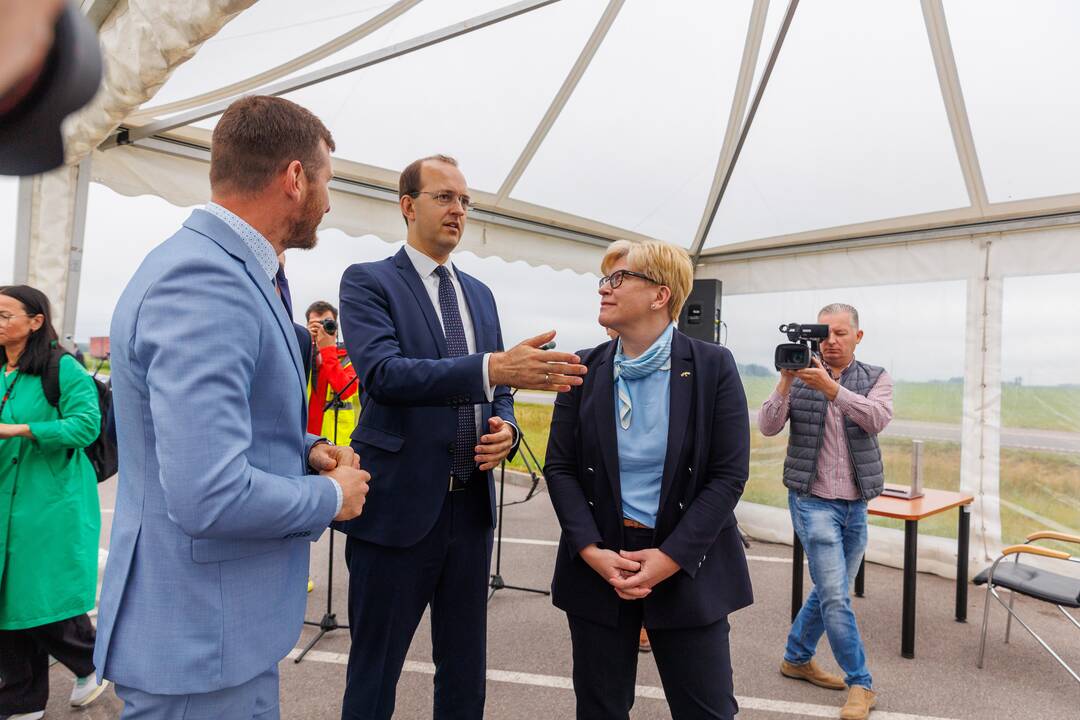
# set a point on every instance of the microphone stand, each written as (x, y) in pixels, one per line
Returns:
(497, 583)
(329, 622)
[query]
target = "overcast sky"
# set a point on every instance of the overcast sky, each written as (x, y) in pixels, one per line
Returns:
(852, 128)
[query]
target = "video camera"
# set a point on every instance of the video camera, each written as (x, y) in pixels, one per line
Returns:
(805, 343)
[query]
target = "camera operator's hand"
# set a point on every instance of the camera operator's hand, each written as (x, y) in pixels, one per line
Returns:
(527, 366)
(784, 386)
(319, 336)
(354, 490)
(818, 378)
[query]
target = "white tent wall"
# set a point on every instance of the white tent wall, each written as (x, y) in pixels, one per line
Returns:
(181, 176)
(983, 262)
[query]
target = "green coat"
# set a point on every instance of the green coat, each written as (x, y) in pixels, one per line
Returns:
(50, 519)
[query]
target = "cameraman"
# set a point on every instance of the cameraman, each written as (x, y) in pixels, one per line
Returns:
(331, 373)
(833, 468)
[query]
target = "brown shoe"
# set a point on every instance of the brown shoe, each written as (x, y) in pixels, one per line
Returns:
(860, 701)
(811, 673)
(643, 642)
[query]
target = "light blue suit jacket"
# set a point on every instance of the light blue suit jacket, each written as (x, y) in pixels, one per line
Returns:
(208, 560)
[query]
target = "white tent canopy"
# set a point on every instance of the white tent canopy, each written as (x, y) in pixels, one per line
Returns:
(787, 146)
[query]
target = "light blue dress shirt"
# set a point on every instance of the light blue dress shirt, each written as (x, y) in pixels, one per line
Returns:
(258, 244)
(643, 445)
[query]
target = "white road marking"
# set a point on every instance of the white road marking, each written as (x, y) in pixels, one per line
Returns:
(646, 691)
(530, 541)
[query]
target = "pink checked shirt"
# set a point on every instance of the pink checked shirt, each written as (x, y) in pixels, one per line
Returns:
(835, 478)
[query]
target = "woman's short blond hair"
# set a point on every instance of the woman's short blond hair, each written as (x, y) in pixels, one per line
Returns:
(666, 263)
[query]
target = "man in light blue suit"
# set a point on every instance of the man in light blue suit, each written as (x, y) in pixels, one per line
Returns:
(220, 490)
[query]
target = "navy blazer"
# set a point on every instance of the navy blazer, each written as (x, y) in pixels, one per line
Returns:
(705, 470)
(411, 391)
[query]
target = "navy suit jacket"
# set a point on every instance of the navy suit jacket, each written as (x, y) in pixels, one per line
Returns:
(411, 391)
(705, 469)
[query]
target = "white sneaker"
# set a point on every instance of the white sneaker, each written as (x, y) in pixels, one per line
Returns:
(25, 716)
(86, 691)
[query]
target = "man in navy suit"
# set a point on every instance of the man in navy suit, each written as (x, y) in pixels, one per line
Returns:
(437, 417)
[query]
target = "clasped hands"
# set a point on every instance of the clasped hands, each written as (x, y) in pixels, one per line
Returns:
(342, 464)
(632, 573)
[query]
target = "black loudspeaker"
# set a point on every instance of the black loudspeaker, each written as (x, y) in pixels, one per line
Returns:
(700, 316)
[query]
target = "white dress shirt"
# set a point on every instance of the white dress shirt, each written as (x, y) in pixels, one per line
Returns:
(425, 268)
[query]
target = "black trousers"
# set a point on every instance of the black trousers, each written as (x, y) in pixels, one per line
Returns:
(694, 663)
(24, 661)
(388, 591)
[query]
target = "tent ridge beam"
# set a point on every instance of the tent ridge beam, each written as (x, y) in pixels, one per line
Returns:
(946, 232)
(343, 68)
(328, 48)
(751, 50)
(561, 98)
(733, 144)
(952, 94)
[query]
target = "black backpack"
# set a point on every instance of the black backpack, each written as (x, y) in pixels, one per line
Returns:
(101, 452)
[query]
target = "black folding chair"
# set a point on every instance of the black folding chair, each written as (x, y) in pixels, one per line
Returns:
(1045, 585)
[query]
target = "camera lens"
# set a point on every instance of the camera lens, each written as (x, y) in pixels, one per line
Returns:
(330, 326)
(791, 356)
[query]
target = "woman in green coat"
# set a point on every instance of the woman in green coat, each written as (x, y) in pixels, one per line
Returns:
(49, 514)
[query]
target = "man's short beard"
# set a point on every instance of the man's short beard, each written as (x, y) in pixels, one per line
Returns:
(301, 236)
(302, 230)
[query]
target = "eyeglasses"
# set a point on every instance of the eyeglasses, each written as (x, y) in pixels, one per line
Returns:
(446, 198)
(5, 318)
(615, 279)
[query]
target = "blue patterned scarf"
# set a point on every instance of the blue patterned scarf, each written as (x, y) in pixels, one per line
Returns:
(657, 357)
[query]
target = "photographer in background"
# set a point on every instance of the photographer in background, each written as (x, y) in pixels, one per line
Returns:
(331, 373)
(833, 467)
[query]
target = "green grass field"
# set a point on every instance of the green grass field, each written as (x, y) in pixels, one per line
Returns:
(1039, 408)
(1041, 483)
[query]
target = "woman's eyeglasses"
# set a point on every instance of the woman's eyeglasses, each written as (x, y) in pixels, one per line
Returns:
(615, 279)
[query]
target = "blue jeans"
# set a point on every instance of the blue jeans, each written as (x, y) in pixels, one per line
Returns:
(833, 534)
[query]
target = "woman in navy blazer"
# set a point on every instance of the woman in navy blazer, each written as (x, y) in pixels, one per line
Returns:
(645, 463)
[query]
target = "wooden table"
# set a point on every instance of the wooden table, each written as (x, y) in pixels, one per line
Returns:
(911, 512)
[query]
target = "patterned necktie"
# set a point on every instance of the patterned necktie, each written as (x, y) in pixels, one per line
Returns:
(463, 463)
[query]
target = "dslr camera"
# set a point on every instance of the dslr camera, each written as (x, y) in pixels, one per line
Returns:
(804, 343)
(330, 326)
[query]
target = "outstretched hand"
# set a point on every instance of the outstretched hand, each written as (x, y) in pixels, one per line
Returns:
(527, 366)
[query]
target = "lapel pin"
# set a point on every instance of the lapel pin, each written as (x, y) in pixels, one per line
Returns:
(685, 373)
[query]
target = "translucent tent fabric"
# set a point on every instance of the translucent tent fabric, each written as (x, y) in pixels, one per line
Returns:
(853, 128)
(901, 152)
(852, 111)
